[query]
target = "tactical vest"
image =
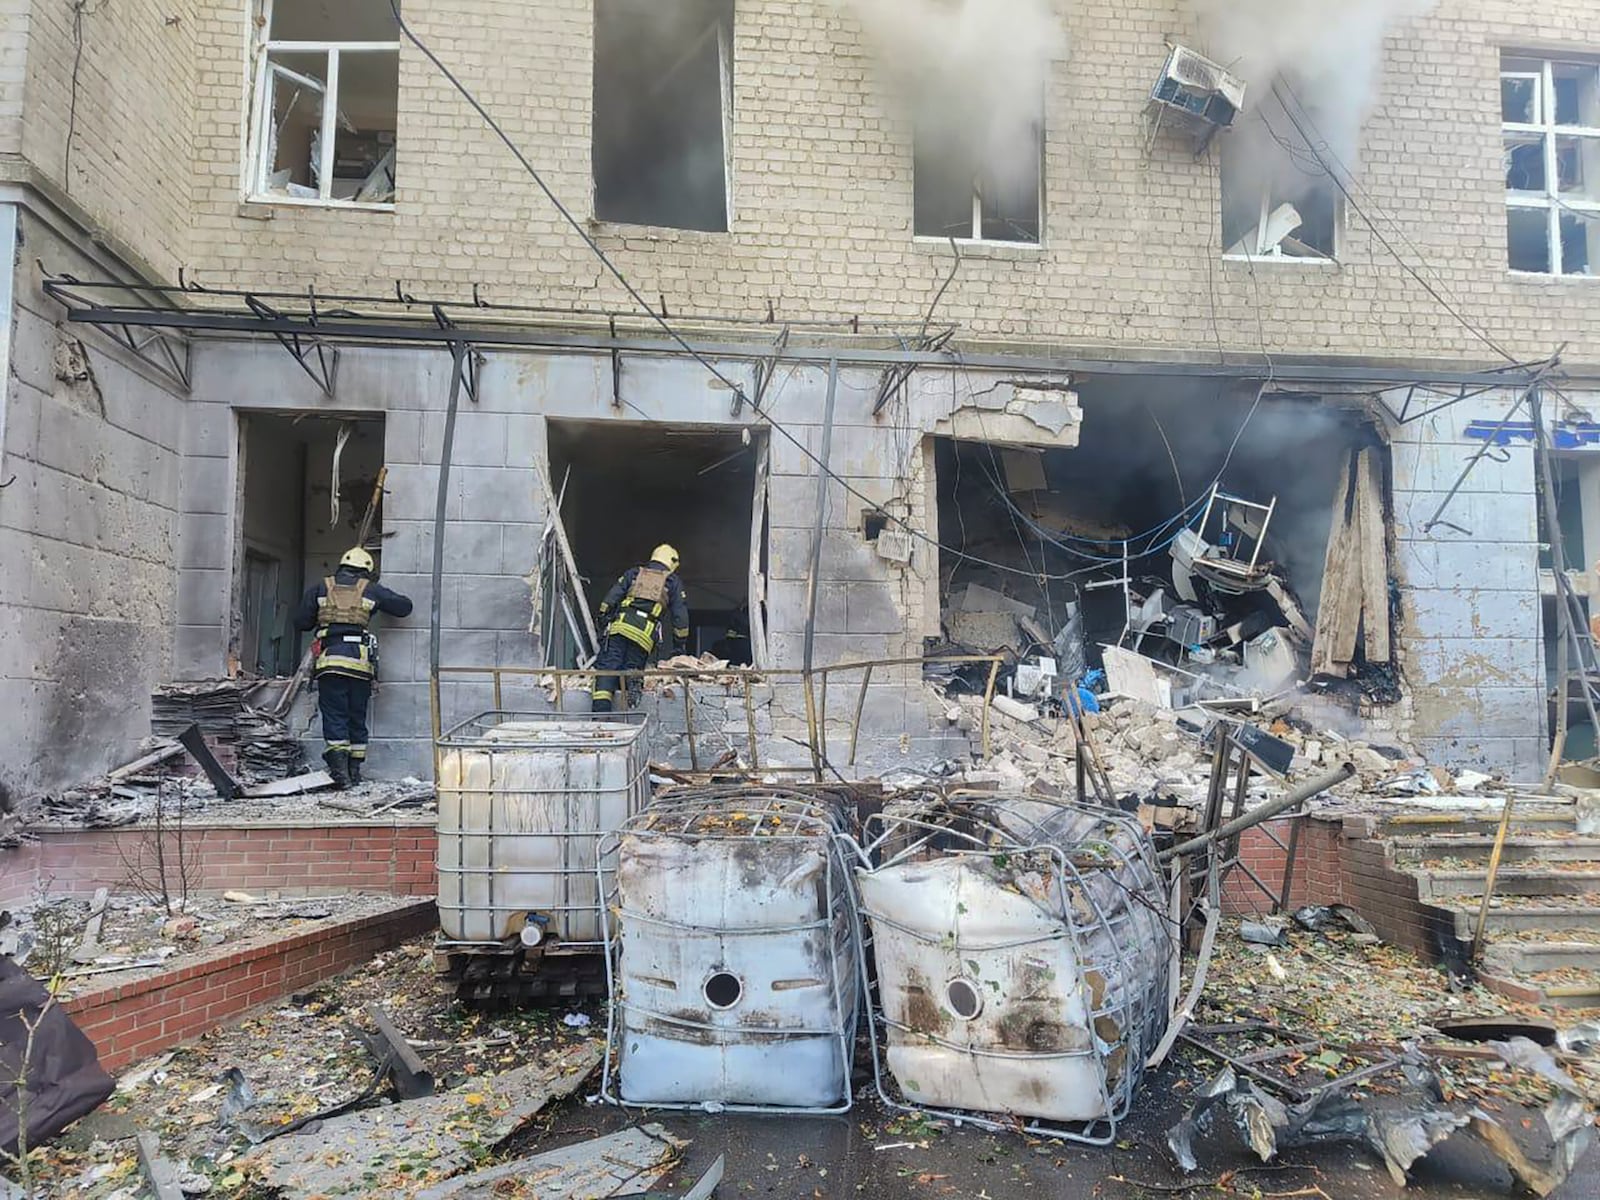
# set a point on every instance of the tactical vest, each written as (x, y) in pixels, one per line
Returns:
(345, 603)
(346, 654)
(639, 616)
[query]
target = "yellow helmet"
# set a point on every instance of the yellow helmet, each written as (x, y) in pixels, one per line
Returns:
(358, 558)
(666, 556)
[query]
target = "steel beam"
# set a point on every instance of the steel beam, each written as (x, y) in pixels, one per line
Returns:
(402, 333)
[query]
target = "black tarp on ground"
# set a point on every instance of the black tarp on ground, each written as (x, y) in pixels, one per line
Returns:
(64, 1077)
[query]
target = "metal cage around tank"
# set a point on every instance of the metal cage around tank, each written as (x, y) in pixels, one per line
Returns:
(732, 952)
(524, 801)
(1022, 954)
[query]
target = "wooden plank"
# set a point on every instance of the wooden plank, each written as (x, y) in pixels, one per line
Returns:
(295, 785)
(412, 1079)
(1339, 609)
(159, 755)
(89, 945)
(553, 518)
(1374, 552)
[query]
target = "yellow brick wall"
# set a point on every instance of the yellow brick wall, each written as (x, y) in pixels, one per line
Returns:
(823, 187)
(13, 71)
(131, 162)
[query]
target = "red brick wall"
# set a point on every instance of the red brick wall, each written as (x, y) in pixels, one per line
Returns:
(395, 859)
(131, 1021)
(1318, 869)
(1340, 862)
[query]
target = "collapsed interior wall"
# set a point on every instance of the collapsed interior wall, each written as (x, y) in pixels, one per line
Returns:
(1148, 451)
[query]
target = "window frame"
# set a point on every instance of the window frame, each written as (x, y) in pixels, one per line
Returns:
(727, 41)
(1276, 254)
(259, 140)
(1549, 132)
(975, 236)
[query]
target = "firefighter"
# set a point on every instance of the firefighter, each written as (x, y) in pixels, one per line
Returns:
(345, 656)
(635, 606)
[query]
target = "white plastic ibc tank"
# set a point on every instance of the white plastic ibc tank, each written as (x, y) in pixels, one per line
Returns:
(1022, 957)
(733, 942)
(522, 807)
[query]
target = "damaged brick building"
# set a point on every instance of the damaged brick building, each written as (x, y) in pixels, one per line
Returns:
(1002, 360)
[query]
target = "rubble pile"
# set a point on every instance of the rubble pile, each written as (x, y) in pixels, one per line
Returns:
(246, 740)
(1153, 752)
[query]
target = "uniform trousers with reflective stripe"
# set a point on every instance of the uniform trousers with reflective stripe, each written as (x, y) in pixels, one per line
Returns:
(343, 700)
(618, 654)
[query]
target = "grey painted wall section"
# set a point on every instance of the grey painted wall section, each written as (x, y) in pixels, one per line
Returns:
(1470, 593)
(867, 608)
(88, 533)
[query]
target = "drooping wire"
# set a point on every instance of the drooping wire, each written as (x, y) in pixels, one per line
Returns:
(1350, 199)
(671, 331)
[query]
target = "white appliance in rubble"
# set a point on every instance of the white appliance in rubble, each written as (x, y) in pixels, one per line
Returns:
(1022, 957)
(523, 804)
(733, 953)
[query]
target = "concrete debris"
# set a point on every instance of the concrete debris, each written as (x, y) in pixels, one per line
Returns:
(634, 1159)
(442, 1133)
(975, 598)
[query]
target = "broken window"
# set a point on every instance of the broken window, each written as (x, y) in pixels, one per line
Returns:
(663, 103)
(327, 94)
(978, 188)
(1550, 128)
(1278, 200)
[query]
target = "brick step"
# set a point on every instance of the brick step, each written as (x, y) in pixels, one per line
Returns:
(1553, 989)
(1526, 880)
(1548, 818)
(1526, 918)
(1557, 954)
(1473, 847)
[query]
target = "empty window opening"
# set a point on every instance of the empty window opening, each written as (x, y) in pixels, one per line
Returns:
(1071, 511)
(629, 488)
(1278, 201)
(1577, 486)
(873, 522)
(1550, 129)
(663, 103)
(327, 94)
(290, 534)
(977, 185)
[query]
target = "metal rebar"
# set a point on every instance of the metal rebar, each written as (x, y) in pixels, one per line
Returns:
(458, 356)
(861, 704)
(1265, 812)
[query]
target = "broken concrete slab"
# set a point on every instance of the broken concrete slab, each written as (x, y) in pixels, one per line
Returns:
(634, 1159)
(975, 598)
(311, 781)
(354, 1153)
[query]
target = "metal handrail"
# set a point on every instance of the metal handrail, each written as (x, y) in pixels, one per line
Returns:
(745, 678)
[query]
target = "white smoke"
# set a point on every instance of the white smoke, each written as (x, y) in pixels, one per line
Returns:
(973, 71)
(1328, 57)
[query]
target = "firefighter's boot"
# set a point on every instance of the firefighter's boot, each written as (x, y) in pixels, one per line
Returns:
(339, 767)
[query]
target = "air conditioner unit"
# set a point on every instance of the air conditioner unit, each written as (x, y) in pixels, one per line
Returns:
(1199, 90)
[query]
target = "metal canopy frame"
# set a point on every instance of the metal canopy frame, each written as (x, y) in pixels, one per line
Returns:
(164, 351)
(310, 326)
